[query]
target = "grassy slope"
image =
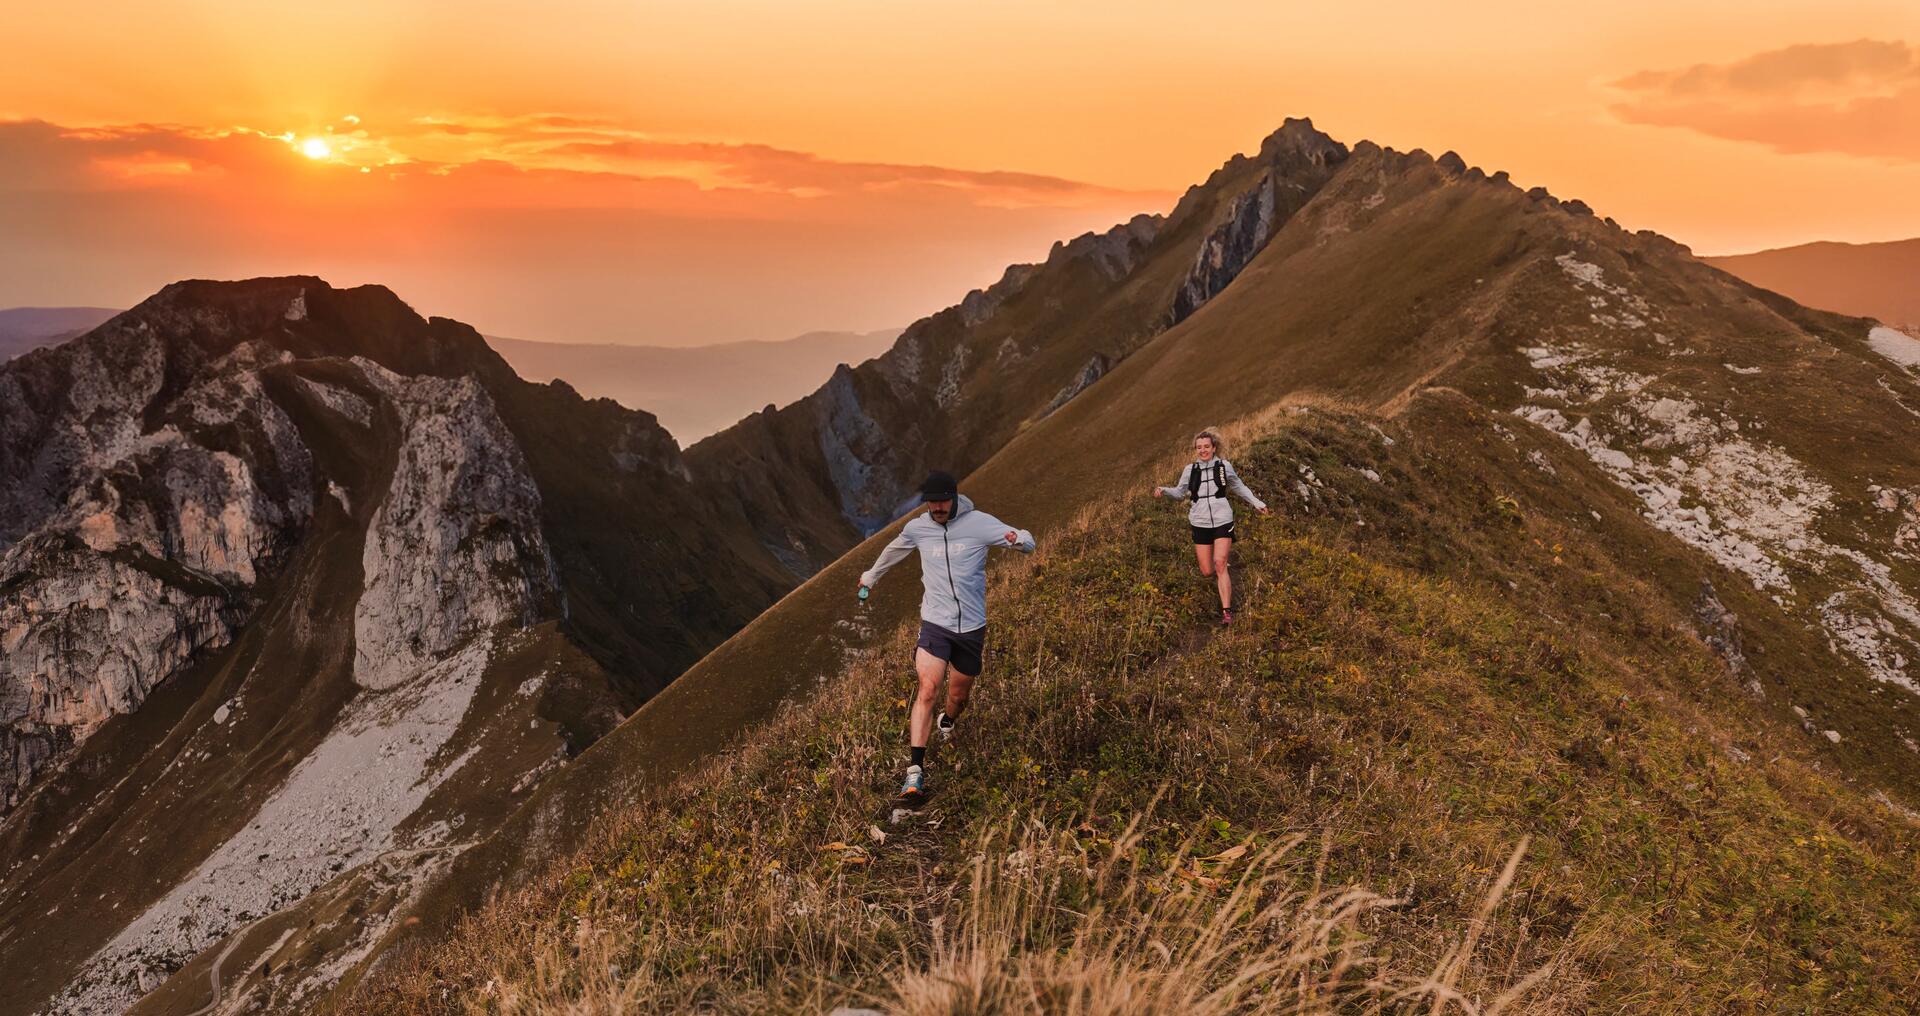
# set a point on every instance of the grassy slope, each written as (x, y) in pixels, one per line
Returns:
(1381, 695)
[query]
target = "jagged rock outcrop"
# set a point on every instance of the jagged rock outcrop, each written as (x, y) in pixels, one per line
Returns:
(1720, 630)
(978, 304)
(1297, 161)
(1096, 368)
(1114, 253)
(455, 547)
(174, 509)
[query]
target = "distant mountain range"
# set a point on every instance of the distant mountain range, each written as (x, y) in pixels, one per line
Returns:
(24, 328)
(1876, 280)
(695, 390)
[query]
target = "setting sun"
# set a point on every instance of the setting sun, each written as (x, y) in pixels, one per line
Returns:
(315, 148)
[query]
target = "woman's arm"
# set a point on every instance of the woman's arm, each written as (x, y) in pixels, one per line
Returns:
(1239, 487)
(1179, 489)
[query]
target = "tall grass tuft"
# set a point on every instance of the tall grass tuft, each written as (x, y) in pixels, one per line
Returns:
(1049, 928)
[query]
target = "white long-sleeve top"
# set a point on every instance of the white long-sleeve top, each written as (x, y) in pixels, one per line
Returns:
(953, 563)
(1212, 508)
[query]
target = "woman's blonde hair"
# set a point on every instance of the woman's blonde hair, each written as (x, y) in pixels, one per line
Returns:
(1213, 434)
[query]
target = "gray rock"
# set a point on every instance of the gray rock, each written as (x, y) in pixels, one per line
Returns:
(456, 546)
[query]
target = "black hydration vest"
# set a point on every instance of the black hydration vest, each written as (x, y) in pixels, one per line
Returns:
(1219, 481)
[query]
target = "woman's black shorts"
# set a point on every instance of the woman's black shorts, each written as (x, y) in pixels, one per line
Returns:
(1208, 534)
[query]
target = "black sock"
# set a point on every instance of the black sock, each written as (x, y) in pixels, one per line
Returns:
(919, 756)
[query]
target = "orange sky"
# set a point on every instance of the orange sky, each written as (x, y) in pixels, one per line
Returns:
(686, 173)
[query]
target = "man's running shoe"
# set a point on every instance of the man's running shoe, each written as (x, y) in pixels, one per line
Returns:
(945, 725)
(913, 787)
(1226, 616)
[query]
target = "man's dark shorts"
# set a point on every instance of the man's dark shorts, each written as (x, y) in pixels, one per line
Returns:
(1208, 534)
(963, 651)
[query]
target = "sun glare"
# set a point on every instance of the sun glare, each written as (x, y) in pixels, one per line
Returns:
(315, 148)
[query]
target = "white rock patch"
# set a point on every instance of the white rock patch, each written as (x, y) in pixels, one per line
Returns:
(949, 390)
(1748, 505)
(1739, 502)
(1895, 345)
(337, 810)
(340, 400)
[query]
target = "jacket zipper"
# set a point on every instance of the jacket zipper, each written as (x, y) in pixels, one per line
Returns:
(947, 556)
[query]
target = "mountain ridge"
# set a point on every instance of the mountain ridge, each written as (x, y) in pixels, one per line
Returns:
(24, 328)
(697, 390)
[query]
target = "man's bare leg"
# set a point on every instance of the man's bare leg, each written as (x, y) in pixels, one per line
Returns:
(931, 669)
(959, 686)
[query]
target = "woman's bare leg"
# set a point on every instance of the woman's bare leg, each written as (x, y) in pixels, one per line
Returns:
(1222, 550)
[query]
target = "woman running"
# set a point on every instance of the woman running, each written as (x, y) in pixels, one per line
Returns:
(1207, 481)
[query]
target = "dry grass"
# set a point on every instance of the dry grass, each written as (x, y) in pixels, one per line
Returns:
(1224, 933)
(1045, 925)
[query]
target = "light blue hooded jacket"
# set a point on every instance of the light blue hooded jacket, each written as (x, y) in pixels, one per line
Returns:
(953, 563)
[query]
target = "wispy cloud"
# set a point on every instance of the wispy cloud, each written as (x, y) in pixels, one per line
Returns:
(550, 225)
(543, 151)
(1855, 98)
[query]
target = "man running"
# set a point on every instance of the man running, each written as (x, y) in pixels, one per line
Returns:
(952, 539)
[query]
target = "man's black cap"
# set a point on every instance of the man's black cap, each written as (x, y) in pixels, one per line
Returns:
(938, 486)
